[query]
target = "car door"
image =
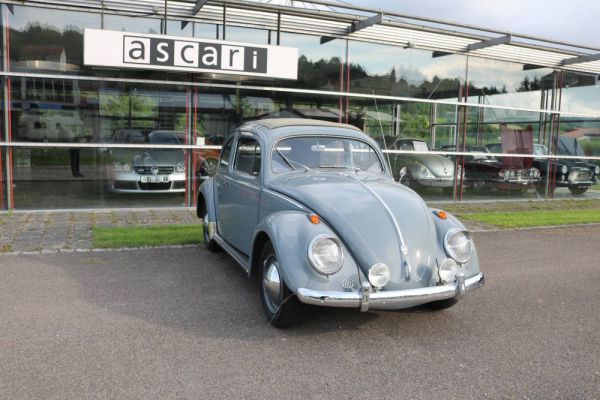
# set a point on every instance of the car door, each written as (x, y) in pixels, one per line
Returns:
(239, 194)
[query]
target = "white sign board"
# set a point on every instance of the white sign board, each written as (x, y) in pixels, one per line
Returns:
(104, 48)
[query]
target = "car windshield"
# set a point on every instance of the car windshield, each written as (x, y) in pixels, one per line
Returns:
(569, 146)
(312, 152)
(163, 138)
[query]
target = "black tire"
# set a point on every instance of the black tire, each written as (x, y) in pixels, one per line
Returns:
(279, 302)
(210, 244)
(578, 190)
(441, 304)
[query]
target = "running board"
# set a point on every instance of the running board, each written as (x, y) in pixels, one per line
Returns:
(239, 257)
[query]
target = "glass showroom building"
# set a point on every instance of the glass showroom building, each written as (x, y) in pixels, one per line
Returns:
(74, 134)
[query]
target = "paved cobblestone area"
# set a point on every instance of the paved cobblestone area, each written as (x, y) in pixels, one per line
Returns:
(56, 231)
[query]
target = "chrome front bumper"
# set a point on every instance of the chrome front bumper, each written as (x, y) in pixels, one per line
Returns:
(390, 300)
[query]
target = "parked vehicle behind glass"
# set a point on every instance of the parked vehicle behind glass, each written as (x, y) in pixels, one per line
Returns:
(148, 170)
(418, 170)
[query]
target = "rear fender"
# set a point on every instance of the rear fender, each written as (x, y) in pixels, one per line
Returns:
(207, 198)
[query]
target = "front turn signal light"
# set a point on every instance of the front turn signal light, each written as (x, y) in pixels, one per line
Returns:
(314, 219)
(441, 214)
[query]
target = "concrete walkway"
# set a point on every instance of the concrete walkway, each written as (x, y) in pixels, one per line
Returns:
(59, 230)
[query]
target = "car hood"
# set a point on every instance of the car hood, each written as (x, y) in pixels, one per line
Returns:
(357, 207)
(150, 157)
(438, 165)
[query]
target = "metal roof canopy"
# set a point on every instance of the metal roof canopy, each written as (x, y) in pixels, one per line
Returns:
(435, 35)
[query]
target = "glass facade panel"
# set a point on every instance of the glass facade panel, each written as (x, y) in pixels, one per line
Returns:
(501, 83)
(580, 93)
(46, 109)
(320, 66)
(395, 71)
(48, 41)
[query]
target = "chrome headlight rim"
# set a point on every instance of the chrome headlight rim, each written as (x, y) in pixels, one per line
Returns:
(378, 268)
(564, 169)
(314, 263)
(451, 232)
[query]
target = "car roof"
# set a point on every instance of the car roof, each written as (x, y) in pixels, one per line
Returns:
(273, 123)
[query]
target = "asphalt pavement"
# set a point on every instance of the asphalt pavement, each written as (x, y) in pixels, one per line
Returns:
(184, 323)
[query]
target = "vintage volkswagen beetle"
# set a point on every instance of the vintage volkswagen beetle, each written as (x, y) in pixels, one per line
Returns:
(311, 208)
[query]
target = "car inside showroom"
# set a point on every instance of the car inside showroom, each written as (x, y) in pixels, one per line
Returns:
(462, 112)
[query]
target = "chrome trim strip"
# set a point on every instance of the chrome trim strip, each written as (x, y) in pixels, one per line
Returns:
(403, 248)
(391, 299)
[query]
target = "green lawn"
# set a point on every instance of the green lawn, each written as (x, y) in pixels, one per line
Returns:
(140, 236)
(521, 219)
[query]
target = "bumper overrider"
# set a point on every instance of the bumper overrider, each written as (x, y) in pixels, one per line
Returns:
(389, 300)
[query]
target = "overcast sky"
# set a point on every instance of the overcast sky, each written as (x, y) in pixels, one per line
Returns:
(567, 20)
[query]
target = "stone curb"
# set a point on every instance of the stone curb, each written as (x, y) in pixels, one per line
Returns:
(109, 250)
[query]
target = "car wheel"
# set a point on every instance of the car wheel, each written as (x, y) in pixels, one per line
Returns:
(279, 302)
(441, 304)
(210, 244)
(578, 190)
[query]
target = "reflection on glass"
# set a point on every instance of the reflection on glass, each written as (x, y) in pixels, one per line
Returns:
(48, 173)
(395, 71)
(502, 83)
(319, 65)
(46, 40)
(580, 93)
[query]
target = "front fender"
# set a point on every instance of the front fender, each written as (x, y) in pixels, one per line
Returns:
(207, 196)
(290, 233)
(442, 226)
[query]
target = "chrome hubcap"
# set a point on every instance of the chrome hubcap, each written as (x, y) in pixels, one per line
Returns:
(271, 284)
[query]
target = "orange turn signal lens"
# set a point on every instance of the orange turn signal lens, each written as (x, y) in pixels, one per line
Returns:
(314, 219)
(442, 214)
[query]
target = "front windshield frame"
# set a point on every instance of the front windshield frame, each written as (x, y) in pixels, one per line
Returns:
(374, 148)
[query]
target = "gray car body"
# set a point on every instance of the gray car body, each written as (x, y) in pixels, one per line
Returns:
(245, 211)
(440, 167)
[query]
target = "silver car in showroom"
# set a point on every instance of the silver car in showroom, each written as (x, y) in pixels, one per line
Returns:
(312, 209)
(146, 170)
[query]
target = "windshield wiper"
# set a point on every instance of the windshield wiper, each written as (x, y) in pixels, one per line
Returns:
(289, 162)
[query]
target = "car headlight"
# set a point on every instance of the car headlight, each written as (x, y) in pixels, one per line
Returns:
(179, 167)
(120, 166)
(448, 269)
(458, 245)
(597, 170)
(379, 275)
(423, 172)
(564, 169)
(325, 254)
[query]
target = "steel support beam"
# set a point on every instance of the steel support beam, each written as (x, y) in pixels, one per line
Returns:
(199, 4)
(581, 59)
(357, 26)
(490, 42)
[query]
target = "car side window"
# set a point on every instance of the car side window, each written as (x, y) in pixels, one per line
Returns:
(247, 157)
(224, 161)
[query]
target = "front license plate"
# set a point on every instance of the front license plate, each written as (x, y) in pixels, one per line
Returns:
(154, 179)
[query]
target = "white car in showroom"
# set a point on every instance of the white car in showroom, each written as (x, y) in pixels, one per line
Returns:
(146, 170)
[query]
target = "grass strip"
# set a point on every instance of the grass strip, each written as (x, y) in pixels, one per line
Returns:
(141, 236)
(523, 219)
(525, 205)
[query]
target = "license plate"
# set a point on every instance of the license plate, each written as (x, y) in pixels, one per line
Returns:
(154, 178)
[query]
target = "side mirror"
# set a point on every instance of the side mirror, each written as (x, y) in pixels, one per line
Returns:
(402, 173)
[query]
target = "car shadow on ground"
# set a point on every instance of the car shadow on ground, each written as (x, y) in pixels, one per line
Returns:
(205, 293)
